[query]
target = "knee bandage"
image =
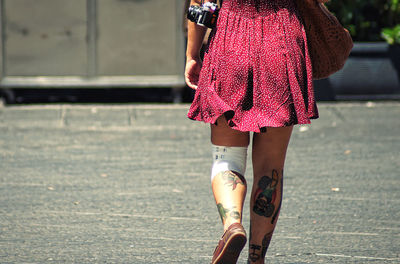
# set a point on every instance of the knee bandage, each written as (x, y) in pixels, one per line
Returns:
(228, 159)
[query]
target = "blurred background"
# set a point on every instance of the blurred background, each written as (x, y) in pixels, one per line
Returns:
(133, 51)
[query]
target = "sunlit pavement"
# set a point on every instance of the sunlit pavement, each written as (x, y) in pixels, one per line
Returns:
(130, 184)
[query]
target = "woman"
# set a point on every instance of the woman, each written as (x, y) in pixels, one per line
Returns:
(256, 77)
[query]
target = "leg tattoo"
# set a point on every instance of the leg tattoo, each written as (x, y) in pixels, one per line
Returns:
(280, 203)
(223, 212)
(265, 243)
(258, 252)
(254, 254)
(265, 195)
(232, 178)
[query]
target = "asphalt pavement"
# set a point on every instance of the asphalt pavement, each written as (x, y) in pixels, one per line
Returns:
(130, 183)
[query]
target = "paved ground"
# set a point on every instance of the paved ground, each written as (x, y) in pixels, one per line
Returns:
(130, 184)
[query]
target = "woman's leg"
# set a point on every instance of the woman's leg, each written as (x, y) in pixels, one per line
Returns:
(229, 187)
(268, 156)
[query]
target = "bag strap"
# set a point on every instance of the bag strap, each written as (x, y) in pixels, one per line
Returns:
(202, 1)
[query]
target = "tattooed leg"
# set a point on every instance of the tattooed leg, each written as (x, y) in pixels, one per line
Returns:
(268, 157)
(229, 189)
(265, 206)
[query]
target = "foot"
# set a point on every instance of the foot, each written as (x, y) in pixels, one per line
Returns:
(230, 245)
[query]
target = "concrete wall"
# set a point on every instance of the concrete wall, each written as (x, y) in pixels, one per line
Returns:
(91, 38)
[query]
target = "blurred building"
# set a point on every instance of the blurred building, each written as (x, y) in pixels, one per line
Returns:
(91, 43)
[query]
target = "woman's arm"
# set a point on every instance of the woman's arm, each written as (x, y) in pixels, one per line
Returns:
(194, 43)
(195, 36)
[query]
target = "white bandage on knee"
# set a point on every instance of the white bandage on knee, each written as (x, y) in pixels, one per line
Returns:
(228, 159)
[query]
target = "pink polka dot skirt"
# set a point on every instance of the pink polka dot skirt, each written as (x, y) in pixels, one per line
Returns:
(256, 70)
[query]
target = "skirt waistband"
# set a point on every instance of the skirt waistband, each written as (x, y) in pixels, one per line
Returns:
(256, 8)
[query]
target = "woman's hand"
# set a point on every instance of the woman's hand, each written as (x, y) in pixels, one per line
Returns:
(192, 72)
(195, 41)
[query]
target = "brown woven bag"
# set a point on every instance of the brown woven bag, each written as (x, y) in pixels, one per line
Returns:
(329, 43)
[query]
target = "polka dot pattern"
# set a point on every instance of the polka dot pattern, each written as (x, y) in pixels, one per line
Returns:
(256, 69)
